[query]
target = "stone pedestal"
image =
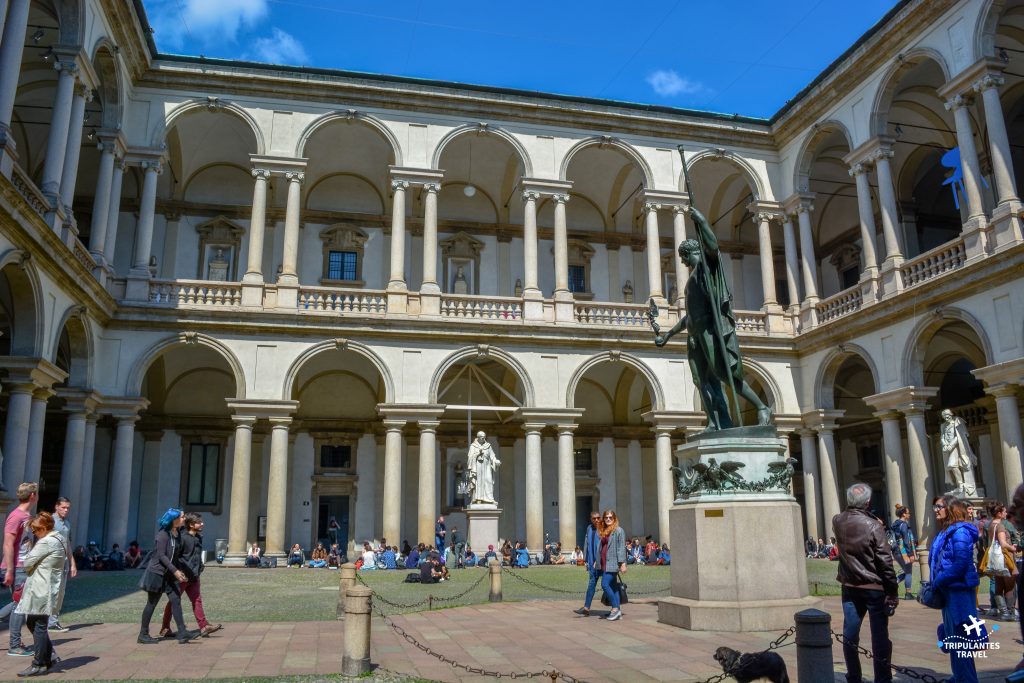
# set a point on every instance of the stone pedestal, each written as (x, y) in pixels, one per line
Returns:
(716, 586)
(482, 523)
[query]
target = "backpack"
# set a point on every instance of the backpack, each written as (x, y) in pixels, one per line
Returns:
(412, 577)
(893, 539)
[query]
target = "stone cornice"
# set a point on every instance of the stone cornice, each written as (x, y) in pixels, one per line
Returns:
(822, 420)
(39, 371)
(904, 399)
(415, 176)
(666, 198)
(549, 416)
(410, 412)
(545, 186)
(964, 82)
(260, 408)
(276, 164)
(1010, 372)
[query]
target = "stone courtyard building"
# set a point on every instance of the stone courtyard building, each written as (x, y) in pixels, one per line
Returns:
(276, 294)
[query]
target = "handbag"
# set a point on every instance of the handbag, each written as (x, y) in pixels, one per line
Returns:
(931, 597)
(620, 588)
(996, 560)
(623, 597)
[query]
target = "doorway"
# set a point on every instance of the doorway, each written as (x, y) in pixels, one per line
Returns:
(337, 507)
(584, 506)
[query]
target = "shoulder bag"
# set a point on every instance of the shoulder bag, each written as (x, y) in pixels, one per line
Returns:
(996, 561)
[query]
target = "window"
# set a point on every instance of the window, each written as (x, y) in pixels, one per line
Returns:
(850, 276)
(870, 457)
(335, 457)
(203, 474)
(584, 459)
(341, 265)
(577, 279)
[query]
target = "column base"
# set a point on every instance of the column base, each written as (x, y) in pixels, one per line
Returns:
(565, 306)
(287, 295)
(398, 300)
(397, 286)
(69, 231)
(252, 294)
(870, 286)
(8, 152)
(136, 286)
(56, 216)
(776, 321)
(890, 276)
(430, 300)
(752, 615)
(533, 304)
(1006, 225)
(977, 238)
(809, 312)
(230, 560)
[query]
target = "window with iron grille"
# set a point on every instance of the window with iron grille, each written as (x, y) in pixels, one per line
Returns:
(578, 278)
(335, 457)
(203, 474)
(341, 265)
(584, 459)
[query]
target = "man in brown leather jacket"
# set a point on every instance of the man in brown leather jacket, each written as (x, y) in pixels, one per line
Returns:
(868, 580)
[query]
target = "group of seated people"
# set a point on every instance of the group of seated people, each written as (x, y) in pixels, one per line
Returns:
(647, 552)
(320, 558)
(821, 550)
(383, 556)
(90, 557)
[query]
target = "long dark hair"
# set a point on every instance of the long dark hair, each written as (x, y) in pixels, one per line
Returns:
(956, 511)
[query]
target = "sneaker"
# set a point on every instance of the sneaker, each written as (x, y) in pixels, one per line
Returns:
(909, 596)
(59, 628)
(614, 616)
(582, 611)
(20, 651)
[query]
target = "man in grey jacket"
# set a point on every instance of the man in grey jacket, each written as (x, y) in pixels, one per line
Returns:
(868, 581)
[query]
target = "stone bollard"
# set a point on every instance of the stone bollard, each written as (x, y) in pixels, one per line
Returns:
(356, 660)
(814, 646)
(348, 579)
(494, 567)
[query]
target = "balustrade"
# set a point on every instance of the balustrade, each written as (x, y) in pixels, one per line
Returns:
(839, 305)
(933, 263)
(330, 300)
(481, 308)
(195, 293)
(616, 315)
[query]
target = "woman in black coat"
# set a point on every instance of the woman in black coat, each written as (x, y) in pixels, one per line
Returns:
(163, 575)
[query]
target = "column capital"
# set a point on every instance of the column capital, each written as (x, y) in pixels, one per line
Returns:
(43, 394)
(261, 173)
(545, 186)
(958, 101)
(533, 427)
(244, 421)
(799, 202)
(280, 421)
(66, 65)
(566, 427)
(257, 409)
(903, 399)
(860, 168)
(806, 432)
(988, 81)
(415, 176)
(39, 372)
(652, 206)
(889, 415)
(84, 91)
(428, 425)
(80, 400)
(1009, 372)
(1002, 390)
(964, 82)
(822, 420)
(868, 150)
(671, 420)
(560, 198)
(432, 187)
(278, 165)
(399, 185)
(393, 425)
(680, 209)
(531, 195)
(124, 408)
(295, 177)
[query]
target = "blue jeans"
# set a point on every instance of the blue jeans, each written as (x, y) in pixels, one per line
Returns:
(857, 601)
(960, 605)
(16, 620)
(593, 575)
(609, 585)
(907, 568)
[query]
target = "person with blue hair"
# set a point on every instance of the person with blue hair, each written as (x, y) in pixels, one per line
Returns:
(163, 575)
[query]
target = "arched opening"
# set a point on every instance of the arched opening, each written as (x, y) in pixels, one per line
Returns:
(18, 312)
(605, 210)
(860, 453)
(723, 191)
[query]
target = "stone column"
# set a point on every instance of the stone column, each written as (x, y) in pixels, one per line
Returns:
(257, 227)
(792, 260)
(277, 486)
(241, 467)
(19, 410)
(612, 247)
(121, 481)
(431, 191)
(1009, 434)
(635, 468)
(663, 469)
(530, 286)
(812, 480)
(654, 283)
(534, 488)
(36, 430)
(504, 238)
(101, 200)
(887, 200)
(392, 493)
(397, 281)
(764, 240)
(114, 209)
(892, 443)
(566, 487)
(290, 256)
(561, 248)
(1006, 220)
(147, 213)
(830, 503)
(11, 49)
(808, 261)
(57, 141)
(427, 500)
(74, 453)
(867, 218)
(69, 176)
(678, 237)
(80, 508)
(921, 483)
(968, 154)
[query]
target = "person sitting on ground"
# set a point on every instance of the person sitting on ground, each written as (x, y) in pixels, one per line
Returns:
(296, 557)
(132, 558)
(318, 559)
(81, 559)
(115, 561)
(522, 556)
(651, 550)
(576, 557)
(368, 559)
(429, 572)
(488, 556)
(545, 558)
(556, 554)
(390, 558)
(412, 559)
(252, 558)
(406, 548)
(333, 559)
(95, 557)
(664, 557)
(810, 547)
(822, 551)
(470, 559)
(506, 553)
(634, 554)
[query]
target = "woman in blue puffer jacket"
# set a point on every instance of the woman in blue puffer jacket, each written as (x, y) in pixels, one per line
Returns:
(955, 578)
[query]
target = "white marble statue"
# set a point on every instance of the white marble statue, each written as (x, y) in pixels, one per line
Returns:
(481, 465)
(461, 285)
(958, 454)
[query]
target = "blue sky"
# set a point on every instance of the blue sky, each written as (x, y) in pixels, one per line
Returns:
(744, 57)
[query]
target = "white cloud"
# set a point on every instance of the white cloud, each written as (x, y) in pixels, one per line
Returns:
(668, 83)
(194, 24)
(280, 48)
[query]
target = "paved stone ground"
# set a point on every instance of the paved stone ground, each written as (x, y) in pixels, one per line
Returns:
(521, 637)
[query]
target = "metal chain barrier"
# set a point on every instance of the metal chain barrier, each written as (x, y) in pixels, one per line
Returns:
(906, 671)
(522, 578)
(774, 645)
(428, 601)
(553, 674)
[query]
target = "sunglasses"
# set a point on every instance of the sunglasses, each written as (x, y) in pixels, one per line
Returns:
(938, 507)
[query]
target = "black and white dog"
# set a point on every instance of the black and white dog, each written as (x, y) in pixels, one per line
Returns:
(745, 667)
